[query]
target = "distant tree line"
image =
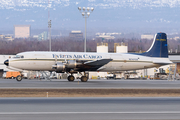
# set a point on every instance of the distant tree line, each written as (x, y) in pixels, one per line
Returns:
(70, 45)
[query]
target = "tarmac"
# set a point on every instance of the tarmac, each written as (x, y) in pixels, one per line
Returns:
(91, 84)
(90, 108)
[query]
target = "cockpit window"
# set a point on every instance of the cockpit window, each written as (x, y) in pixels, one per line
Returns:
(19, 56)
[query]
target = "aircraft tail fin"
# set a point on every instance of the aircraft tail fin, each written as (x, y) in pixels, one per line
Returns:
(159, 47)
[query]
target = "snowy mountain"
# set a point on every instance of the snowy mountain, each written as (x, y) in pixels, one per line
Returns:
(122, 15)
(28, 4)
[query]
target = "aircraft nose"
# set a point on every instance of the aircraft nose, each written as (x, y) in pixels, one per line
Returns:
(6, 62)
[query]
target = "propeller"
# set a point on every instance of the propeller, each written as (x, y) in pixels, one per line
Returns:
(65, 61)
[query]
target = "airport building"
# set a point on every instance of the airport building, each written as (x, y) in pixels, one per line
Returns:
(107, 37)
(8, 37)
(76, 35)
(102, 47)
(120, 48)
(146, 36)
(22, 31)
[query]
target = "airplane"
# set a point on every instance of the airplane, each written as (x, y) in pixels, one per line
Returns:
(82, 62)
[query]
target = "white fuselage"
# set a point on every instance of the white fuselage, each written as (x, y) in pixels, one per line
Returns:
(43, 61)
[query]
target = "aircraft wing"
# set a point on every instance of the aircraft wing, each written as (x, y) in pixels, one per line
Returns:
(98, 62)
(94, 65)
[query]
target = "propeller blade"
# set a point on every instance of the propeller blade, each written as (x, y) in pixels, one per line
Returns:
(56, 58)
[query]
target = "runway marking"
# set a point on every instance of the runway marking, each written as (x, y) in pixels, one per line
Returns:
(38, 113)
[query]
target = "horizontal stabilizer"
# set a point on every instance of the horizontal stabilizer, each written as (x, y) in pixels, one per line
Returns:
(98, 62)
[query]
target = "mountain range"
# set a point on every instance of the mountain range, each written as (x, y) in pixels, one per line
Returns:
(142, 16)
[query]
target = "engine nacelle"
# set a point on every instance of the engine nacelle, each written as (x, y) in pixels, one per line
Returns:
(59, 66)
(64, 67)
(72, 64)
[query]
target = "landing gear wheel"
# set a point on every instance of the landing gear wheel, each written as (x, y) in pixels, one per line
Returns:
(71, 78)
(19, 78)
(84, 79)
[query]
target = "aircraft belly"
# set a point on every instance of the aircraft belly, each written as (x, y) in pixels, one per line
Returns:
(113, 66)
(123, 66)
(137, 65)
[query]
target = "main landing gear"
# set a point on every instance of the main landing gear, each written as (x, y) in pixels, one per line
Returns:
(84, 78)
(71, 78)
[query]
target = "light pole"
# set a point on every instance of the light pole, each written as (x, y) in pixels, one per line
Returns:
(49, 26)
(85, 13)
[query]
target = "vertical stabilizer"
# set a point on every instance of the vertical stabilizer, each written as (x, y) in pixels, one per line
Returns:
(159, 47)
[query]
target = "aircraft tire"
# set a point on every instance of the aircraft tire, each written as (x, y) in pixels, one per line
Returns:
(19, 78)
(84, 79)
(71, 78)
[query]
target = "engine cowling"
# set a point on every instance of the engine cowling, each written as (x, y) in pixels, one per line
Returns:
(72, 64)
(63, 67)
(59, 66)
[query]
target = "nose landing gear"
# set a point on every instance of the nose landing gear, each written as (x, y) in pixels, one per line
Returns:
(19, 78)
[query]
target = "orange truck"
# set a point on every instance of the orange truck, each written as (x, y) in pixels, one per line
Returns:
(12, 74)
